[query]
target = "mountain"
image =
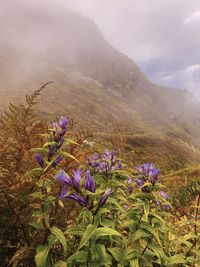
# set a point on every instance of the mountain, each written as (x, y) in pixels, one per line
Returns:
(93, 83)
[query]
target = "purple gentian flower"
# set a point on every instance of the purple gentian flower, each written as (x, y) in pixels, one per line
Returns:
(40, 159)
(140, 169)
(81, 200)
(139, 182)
(63, 193)
(55, 127)
(52, 149)
(106, 154)
(60, 142)
(104, 198)
(93, 164)
(118, 167)
(129, 181)
(112, 158)
(64, 178)
(148, 167)
(103, 166)
(164, 195)
(76, 179)
(89, 182)
(96, 156)
(63, 123)
(56, 161)
(130, 189)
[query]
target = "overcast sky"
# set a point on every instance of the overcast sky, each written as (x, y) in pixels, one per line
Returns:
(161, 36)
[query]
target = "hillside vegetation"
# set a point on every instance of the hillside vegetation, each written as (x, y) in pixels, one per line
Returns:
(65, 201)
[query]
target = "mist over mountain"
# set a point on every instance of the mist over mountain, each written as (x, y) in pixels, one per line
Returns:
(93, 82)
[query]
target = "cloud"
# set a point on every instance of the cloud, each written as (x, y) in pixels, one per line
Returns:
(194, 17)
(162, 37)
(158, 35)
(193, 68)
(167, 78)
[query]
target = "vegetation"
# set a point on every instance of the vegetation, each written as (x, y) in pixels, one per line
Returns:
(67, 202)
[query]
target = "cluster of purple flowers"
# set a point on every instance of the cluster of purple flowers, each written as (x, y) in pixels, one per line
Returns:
(107, 163)
(57, 139)
(165, 196)
(74, 183)
(148, 174)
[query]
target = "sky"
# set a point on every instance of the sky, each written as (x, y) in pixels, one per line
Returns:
(161, 36)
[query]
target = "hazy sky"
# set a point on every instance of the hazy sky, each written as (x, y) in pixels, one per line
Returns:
(162, 36)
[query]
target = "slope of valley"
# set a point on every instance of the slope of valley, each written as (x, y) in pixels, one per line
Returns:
(93, 83)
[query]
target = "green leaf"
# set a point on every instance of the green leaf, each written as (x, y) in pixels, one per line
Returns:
(176, 259)
(49, 144)
(104, 231)
(37, 225)
(59, 234)
(52, 240)
(146, 210)
(134, 263)
(139, 234)
(39, 150)
(148, 228)
(60, 264)
(69, 141)
(41, 255)
(76, 231)
(77, 257)
(100, 255)
(37, 194)
(117, 253)
(115, 202)
(67, 155)
(34, 171)
(87, 235)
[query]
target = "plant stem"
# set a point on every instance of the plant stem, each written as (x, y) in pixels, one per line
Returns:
(195, 231)
(90, 245)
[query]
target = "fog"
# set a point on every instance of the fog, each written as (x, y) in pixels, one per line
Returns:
(162, 37)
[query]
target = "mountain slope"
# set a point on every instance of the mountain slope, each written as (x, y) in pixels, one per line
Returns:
(93, 82)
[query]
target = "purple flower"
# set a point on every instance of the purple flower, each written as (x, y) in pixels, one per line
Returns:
(103, 166)
(96, 156)
(64, 178)
(63, 193)
(93, 164)
(40, 159)
(130, 189)
(129, 181)
(148, 173)
(104, 198)
(164, 195)
(81, 200)
(106, 155)
(140, 169)
(56, 161)
(139, 182)
(155, 173)
(52, 149)
(60, 142)
(112, 158)
(118, 167)
(90, 183)
(55, 127)
(76, 179)
(63, 123)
